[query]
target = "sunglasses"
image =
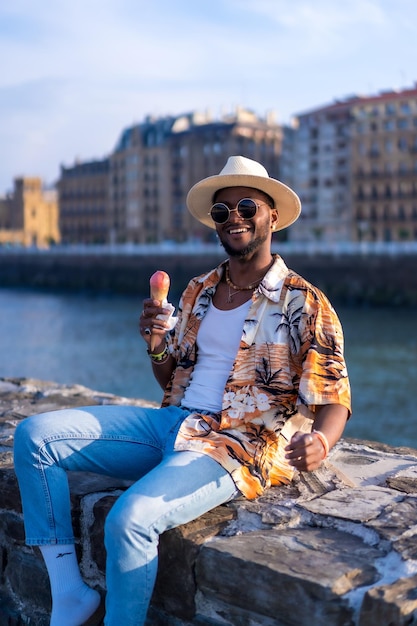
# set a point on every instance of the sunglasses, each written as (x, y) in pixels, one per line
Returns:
(246, 209)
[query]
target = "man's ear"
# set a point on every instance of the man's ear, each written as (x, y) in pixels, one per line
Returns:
(274, 219)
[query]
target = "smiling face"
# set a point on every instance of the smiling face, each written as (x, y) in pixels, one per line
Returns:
(242, 237)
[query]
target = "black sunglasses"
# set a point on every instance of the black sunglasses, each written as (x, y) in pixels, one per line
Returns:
(246, 209)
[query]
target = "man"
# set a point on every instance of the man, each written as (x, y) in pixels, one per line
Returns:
(255, 388)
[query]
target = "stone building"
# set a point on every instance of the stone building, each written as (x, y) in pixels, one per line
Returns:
(84, 203)
(139, 184)
(138, 194)
(200, 148)
(29, 215)
(355, 166)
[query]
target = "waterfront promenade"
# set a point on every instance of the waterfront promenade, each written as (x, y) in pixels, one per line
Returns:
(362, 273)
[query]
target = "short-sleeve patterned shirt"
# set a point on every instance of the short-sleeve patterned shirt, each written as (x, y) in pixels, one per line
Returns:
(289, 361)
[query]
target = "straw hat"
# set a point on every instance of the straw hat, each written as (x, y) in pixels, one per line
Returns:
(242, 172)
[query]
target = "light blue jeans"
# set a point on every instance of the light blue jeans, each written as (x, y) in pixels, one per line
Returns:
(129, 442)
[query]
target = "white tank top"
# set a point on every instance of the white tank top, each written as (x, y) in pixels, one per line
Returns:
(217, 344)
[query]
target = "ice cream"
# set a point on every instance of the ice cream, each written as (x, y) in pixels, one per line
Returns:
(159, 284)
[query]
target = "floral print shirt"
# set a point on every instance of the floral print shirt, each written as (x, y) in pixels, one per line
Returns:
(290, 361)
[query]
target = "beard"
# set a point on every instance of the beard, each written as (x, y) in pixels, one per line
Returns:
(254, 245)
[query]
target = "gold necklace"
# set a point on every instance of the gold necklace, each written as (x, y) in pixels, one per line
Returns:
(231, 294)
(250, 287)
(235, 288)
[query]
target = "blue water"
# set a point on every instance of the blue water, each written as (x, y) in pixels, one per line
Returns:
(93, 340)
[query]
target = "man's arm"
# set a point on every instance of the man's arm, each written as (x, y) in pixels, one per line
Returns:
(163, 364)
(306, 451)
(162, 370)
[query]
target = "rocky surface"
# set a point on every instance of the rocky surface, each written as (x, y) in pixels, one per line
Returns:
(336, 548)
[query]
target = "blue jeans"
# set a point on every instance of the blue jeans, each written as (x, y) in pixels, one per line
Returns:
(129, 442)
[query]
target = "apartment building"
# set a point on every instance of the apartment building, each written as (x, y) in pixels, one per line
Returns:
(384, 167)
(155, 163)
(139, 189)
(83, 191)
(29, 215)
(354, 167)
(321, 173)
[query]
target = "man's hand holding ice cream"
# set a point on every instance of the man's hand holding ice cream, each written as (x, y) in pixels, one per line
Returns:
(157, 317)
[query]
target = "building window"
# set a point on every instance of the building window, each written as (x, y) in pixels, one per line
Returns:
(402, 123)
(387, 234)
(405, 108)
(374, 151)
(403, 144)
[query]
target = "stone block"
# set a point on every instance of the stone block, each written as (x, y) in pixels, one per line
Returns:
(301, 575)
(28, 580)
(391, 605)
(96, 530)
(176, 587)
(11, 526)
(10, 495)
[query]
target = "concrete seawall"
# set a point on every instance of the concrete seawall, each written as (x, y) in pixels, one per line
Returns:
(349, 279)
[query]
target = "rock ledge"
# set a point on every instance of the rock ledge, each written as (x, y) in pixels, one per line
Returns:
(336, 548)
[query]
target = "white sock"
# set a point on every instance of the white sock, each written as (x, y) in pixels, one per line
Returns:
(73, 602)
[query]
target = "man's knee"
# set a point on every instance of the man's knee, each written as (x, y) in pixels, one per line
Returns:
(126, 522)
(119, 523)
(25, 435)
(29, 437)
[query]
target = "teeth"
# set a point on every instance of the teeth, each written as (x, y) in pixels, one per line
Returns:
(236, 231)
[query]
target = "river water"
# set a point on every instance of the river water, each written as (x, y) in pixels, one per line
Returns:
(93, 340)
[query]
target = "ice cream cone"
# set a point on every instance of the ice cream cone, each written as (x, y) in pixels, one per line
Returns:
(159, 285)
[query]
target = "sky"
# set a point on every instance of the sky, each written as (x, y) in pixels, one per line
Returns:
(75, 73)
